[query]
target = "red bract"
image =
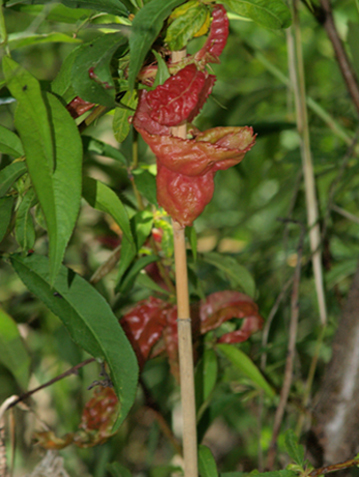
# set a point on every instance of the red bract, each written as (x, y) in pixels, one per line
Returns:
(153, 318)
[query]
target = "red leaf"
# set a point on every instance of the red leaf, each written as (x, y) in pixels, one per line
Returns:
(78, 106)
(223, 306)
(217, 37)
(180, 97)
(144, 324)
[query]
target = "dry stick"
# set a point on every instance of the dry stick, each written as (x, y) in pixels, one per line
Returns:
(297, 75)
(288, 373)
(185, 334)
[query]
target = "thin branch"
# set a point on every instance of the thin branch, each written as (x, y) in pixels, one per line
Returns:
(334, 467)
(107, 266)
(288, 373)
(345, 214)
(70, 371)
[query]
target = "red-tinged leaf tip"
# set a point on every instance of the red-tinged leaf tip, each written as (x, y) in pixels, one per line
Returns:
(77, 107)
(217, 37)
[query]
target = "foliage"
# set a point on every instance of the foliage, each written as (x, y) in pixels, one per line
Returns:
(84, 236)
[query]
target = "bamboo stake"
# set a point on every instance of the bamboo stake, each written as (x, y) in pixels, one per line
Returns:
(297, 76)
(185, 334)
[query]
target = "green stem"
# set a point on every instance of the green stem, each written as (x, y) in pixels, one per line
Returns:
(3, 31)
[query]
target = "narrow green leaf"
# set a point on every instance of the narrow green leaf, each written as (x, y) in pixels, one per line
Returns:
(24, 225)
(205, 376)
(146, 185)
(353, 41)
(294, 450)
(101, 197)
(13, 354)
(274, 14)
(17, 41)
(53, 151)
(10, 174)
(118, 470)
(94, 145)
(121, 126)
(97, 56)
(206, 464)
(10, 143)
(145, 281)
(141, 225)
(162, 73)
(62, 84)
(115, 7)
(183, 28)
(145, 28)
(130, 277)
(88, 318)
(6, 205)
(238, 275)
(191, 235)
(246, 366)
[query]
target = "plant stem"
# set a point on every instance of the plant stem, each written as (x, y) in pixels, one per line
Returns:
(185, 335)
(3, 31)
(297, 75)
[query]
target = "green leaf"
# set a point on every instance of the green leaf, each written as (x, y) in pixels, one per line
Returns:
(145, 28)
(96, 55)
(131, 275)
(276, 473)
(62, 84)
(88, 318)
(121, 126)
(162, 72)
(10, 143)
(246, 366)
(17, 40)
(24, 225)
(294, 450)
(191, 235)
(101, 197)
(205, 376)
(141, 225)
(115, 7)
(6, 205)
(353, 41)
(13, 354)
(237, 274)
(274, 14)
(206, 464)
(10, 174)
(146, 185)
(118, 470)
(183, 28)
(145, 281)
(53, 151)
(94, 145)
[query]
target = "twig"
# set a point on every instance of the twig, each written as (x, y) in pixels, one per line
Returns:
(345, 214)
(107, 266)
(70, 371)
(297, 74)
(334, 467)
(324, 16)
(288, 373)
(185, 335)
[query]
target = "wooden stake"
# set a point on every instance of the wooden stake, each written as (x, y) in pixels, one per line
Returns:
(185, 335)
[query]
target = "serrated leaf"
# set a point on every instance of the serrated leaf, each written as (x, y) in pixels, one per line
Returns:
(17, 41)
(274, 14)
(10, 143)
(88, 318)
(97, 56)
(99, 147)
(24, 224)
(206, 464)
(246, 366)
(13, 354)
(6, 205)
(10, 174)
(121, 126)
(101, 197)
(238, 275)
(294, 450)
(53, 151)
(146, 185)
(146, 26)
(183, 28)
(205, 376)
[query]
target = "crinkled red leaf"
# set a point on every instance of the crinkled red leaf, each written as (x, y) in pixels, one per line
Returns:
(183, 197)
(180, 97)
(142, 119)
(144, 324)
(223, 306)
(48, 440)
(217, 37)
(77, 107)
